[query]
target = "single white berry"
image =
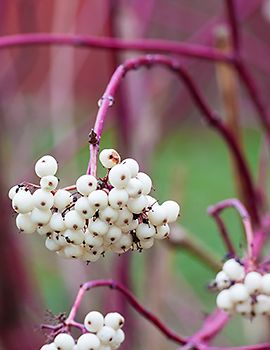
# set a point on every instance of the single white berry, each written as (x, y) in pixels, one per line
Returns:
(119, 176)
(145, 231)
(13, 191)
(73, 220)
(57, 222)
(49, 183)
(118, 198)
(47, 165)
(158, 215)
(74, 236)
(147, 243)
(83, 207)
(113, 234)
(132, 165)
(52, 245)
(43, 199)
(86, 184)
(234, 270)
(59, 239)
(109, 158)
(125, 217)
(222, 280)
(266, 283)
(172, 209)
(50, 346)
(134, 188)
(118, 339)
(123, 244)
(106, 334)
(25, 224)
(41, 217)
(94, 321)
(44, 230)
(262, 305)
(244, 308)
(98, 227)
(114, 320)
(238, 293)
(93, 241)
(137, 205)
(146, 182)
(64, 341)
(73, 251)
(91, 256)
(162, 231)
(88, 341)
(108, 214)
(23, 202)
(253, 282)
(224, 300)
(98, 199)
(62, 199)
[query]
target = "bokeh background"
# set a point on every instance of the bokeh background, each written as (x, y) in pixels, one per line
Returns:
(48, 104)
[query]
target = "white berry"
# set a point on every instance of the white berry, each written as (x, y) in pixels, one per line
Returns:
(146, 182)
(118, 339)
(266, 283)
(224, 300)
(172, 209)
(47, 165)
(23, 202)
(88, 341)
(49, 183)
(73, 220)
(137, 205)
(64, 341)
(94, 321)
(82, 206)
(145, 231)
(158, 215)
(162, 231)
(25, 224)
(106, 334)
(238, 292)
(118, 198)
(109, 158)
(43, 199)
(253, 282)
(57, 222)
(98, 199)
(86, 184)
(98, 227)
(62, 199)
(119, 176)
(41, 217)
(234, 270)
(132, 165)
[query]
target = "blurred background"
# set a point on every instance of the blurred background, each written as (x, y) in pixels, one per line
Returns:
(48, 104)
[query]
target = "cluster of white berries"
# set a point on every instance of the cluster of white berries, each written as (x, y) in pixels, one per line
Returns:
(114, 213)
(241, 292)
(101, 333)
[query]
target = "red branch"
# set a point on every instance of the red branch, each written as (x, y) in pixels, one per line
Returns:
(145, 45)
(211, 117)
(132, 301)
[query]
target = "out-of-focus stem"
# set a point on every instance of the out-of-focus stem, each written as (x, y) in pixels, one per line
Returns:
(145, 45)
(226, 78)
(233, 21)
(235, 203)
(180, 239)
(133, 302)
(212, 118)
(224, 233)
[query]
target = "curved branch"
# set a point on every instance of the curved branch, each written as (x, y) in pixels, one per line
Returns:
(85, 41)
(211, 117)
(216, 209)
(232, 18)
(132, 301)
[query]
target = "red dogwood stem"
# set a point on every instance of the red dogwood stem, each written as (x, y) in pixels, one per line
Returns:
(145, 45)
(132, 301)
(235, 203)
(211, 117)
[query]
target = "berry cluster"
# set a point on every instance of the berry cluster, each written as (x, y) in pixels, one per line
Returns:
(245, 293)
(99, 333)
(114, 213)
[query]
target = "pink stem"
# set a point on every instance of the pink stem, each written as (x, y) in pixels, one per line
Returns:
(235, 203)
(133, 302)
(211, 117)
(150, 45)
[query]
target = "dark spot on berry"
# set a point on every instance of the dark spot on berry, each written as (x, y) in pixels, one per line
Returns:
(123, 177)
(110, 156)
(90, 184)
(43, 203)
(84, 211)
(112, 239)
(94, 252)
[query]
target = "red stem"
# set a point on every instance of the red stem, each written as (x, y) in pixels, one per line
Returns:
(232, 18)
(211, 117)
(133, 302)
(150, 45)
(235, 203)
